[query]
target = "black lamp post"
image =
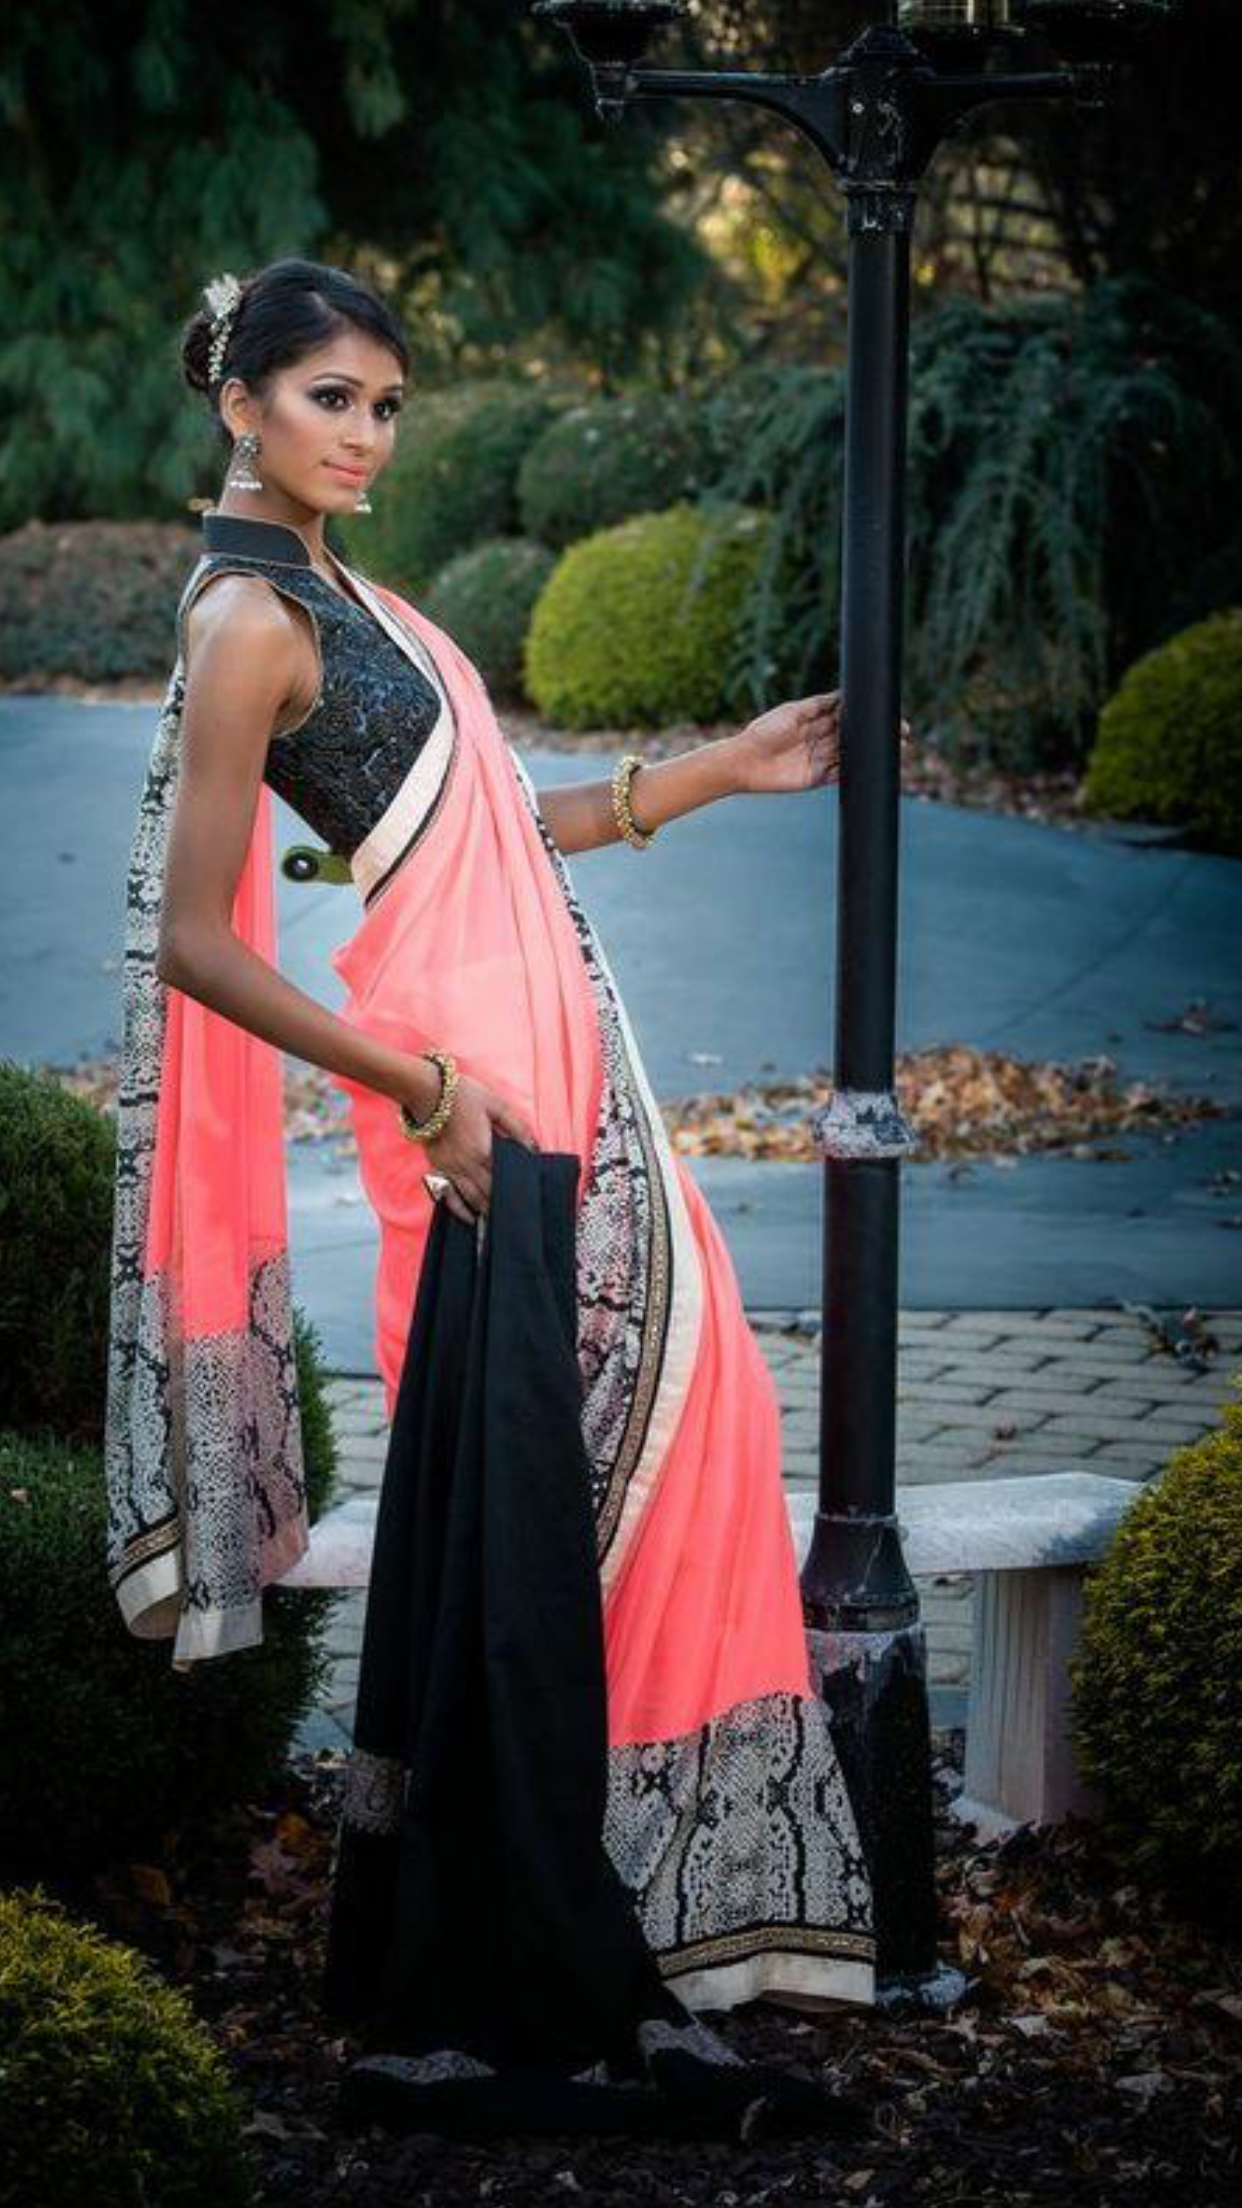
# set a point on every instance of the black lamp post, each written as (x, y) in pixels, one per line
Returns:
(877, 116)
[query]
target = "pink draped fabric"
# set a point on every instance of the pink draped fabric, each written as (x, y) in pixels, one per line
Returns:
(477, 951)
(218, 1205)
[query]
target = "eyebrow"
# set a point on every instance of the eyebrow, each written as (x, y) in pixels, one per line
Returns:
(338, 376)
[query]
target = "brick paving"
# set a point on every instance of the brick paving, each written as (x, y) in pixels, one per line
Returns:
(980, 1395)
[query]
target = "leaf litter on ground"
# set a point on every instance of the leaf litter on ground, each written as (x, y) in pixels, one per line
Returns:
(1093, 2061)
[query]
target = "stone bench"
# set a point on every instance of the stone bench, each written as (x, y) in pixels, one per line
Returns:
(1027, 1540)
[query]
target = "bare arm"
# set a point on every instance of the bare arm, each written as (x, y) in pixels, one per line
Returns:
(579, 815)
(244, 661)
(795, 745)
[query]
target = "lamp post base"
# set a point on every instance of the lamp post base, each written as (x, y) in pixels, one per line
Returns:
(875, 1687)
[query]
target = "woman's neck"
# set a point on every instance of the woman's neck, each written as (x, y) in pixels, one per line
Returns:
(247, 506)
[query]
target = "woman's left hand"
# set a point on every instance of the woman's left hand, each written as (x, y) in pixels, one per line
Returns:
(794, 746)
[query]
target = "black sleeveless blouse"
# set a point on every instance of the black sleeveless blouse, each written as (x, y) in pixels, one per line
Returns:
(343, 764)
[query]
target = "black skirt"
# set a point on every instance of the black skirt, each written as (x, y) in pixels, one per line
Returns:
(481, 1944)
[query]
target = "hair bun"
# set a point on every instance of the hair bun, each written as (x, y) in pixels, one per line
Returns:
(196, 351)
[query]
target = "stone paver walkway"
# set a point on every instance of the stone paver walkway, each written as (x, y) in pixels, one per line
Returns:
(981, 1395)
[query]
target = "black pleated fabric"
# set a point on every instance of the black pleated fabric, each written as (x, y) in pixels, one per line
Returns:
(491, 1923)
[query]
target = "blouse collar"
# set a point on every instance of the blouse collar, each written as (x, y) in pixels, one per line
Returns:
(241, 537)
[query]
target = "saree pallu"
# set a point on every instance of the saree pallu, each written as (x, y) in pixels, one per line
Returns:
(203, 1464)
(727, 1815)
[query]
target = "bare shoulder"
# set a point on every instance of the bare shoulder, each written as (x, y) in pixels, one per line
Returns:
(244, 613)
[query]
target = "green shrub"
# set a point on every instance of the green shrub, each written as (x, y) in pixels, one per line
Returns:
(1073, 494)
(57, 1158)
(737, 408)
(485, 599)
(1169, 746)
(112, 2093)
(106, 1748)
(451, 482)
(637, 625)
(602, 461)
(1157, 1713)
(93, 599)
(103, 1742)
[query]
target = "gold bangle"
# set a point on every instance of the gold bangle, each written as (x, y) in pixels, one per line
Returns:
(622, 776)
(423, 1130)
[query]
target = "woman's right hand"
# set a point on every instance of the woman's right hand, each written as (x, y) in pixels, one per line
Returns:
(463, 1149)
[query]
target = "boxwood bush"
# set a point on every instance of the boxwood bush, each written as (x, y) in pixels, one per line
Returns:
(105, 1747)
(637, 625)
(451, 482)
(603, 460)
(485, 599)
(1157, 1713)
(93, 599)
(103, 1743)
(57, 1159)
(112, 2093)
(1169, 744)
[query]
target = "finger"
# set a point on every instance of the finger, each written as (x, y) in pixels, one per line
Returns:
(470, 1194)
(452, 1201)
(509, 1124)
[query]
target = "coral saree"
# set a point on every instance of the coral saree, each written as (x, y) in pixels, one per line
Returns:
(726, 1814)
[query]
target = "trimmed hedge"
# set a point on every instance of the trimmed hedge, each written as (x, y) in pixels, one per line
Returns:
(95, 599)
(637, 625)
(104, 1744)
(485, 599)
(57, 1160)
(112, 2093)
(1157, 1713)
(106, 1748)
(1169, 746)
(451, 482)
(605, 460)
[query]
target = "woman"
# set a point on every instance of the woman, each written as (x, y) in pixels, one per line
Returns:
(482, 1022)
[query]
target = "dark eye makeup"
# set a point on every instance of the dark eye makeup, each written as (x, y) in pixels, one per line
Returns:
(340, 391)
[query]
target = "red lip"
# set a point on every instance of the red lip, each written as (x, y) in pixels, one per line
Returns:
(353, 475)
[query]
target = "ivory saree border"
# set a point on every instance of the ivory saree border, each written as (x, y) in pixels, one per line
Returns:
(415, 805)
(671, 1291)
(665, 1292)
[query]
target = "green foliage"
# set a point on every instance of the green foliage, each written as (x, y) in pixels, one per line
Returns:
(602, 461)
(636, 625)
(106, 1747)
(1070, 461)
(114, 2095)
(96, 599)
(450, 483)
(1074, 474)
(485, 599)
(141, 158)
(56, 1188)
(1169, 746)
(1156, 1712)
(104, 1744)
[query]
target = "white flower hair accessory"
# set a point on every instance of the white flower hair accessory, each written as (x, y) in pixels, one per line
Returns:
(223, 297)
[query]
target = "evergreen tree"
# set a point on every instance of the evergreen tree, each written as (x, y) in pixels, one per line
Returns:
(451, 151)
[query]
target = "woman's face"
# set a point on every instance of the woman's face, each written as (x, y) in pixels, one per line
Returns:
(327, 425)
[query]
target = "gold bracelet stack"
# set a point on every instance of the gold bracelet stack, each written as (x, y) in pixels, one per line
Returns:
(622, 776)
(422, 1130)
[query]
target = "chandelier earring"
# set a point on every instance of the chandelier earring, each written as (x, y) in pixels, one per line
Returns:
(243, 475)
(362, 504)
